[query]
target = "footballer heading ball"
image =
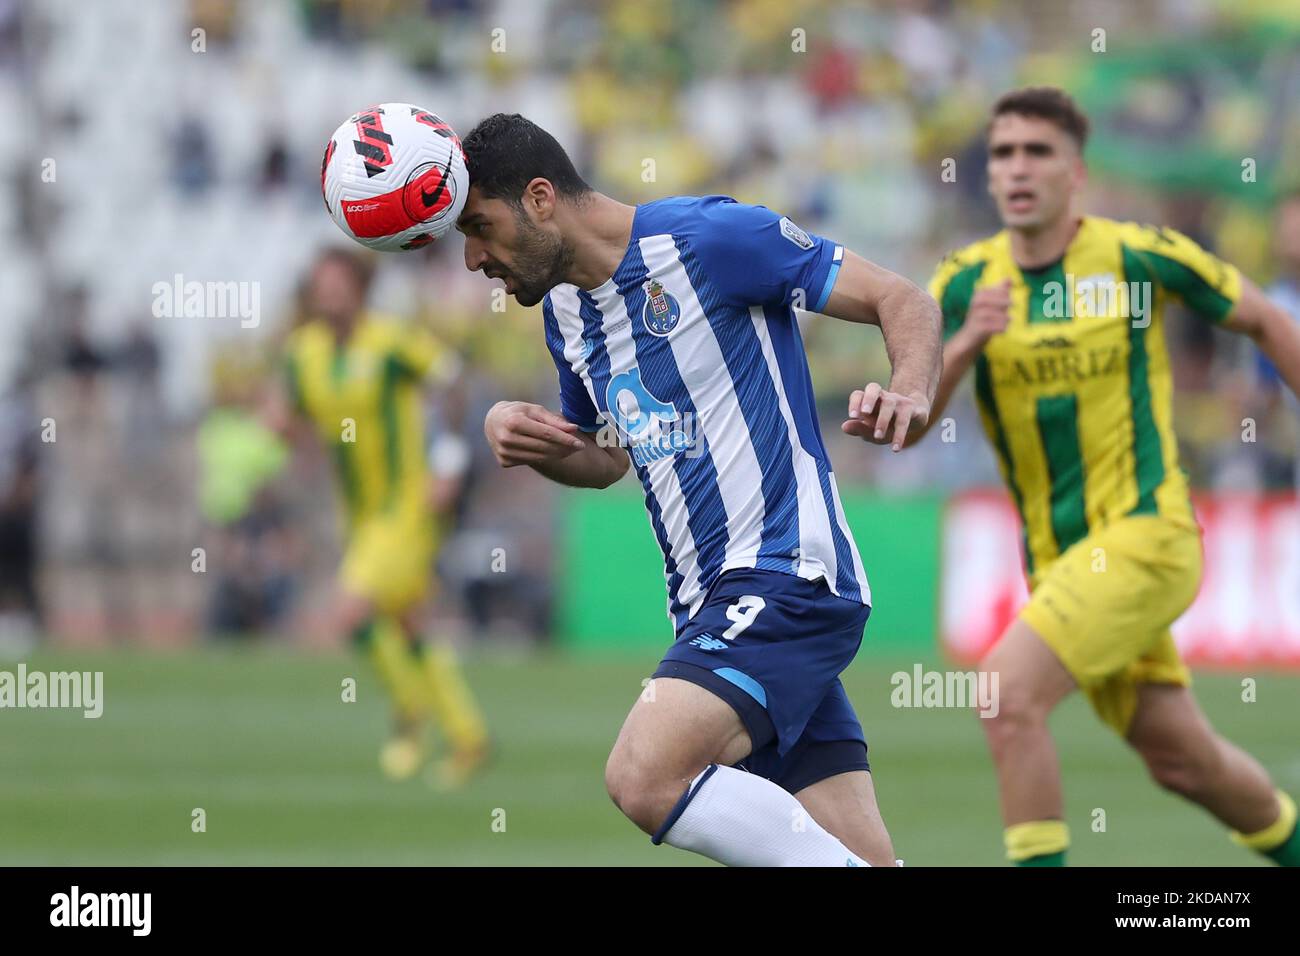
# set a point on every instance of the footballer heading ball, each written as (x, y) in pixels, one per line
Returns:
(394, 177)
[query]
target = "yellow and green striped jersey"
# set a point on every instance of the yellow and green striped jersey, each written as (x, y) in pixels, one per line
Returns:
(1076, 395)
(364, 397)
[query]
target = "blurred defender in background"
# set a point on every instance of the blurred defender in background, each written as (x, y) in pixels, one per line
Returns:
(357, 378)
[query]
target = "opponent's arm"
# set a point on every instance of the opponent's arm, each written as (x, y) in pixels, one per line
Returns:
(1274, 331)
(911, 324)
(521, 433)
(988, 315)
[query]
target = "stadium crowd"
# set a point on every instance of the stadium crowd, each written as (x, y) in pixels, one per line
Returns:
(861, 121)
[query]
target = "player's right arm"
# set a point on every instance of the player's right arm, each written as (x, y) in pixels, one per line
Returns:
(521, 433)
(968, 323)
(560, 445)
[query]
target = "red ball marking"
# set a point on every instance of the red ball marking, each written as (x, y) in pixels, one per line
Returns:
(428, 194)
(418, 201)
(377, 216)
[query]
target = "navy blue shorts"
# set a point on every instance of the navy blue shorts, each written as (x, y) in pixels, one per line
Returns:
(773, 646)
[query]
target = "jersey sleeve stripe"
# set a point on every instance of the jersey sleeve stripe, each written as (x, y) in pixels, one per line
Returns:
(1192, 287)
(831, 276)
(954, 298)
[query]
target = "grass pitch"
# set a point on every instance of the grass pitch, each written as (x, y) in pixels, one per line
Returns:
(286, 772)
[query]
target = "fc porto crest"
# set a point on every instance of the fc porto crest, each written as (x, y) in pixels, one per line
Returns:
(661, 312)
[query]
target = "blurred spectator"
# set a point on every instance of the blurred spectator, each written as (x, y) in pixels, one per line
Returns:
(139, 362)
(275, 166)
(1285, 291)
(11, 32)
(83, 359)
(20, 608)
(192, 158)
(253, 550)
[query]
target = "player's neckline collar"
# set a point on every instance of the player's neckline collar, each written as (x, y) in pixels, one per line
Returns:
(1049, 266)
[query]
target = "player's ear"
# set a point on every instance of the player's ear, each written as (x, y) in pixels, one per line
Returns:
(539, 199)
(1080, 173)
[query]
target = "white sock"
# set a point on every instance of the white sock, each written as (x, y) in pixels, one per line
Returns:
(741, 819)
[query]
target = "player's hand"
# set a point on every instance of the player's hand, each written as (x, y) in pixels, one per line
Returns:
(989, 313)
(873, 410)
(521, 433)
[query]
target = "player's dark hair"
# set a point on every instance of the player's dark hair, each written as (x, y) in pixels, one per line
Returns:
(1045, 102)
(361, 265)
(506, 151)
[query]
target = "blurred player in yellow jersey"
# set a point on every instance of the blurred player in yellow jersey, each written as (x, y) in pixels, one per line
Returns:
(359, 379)
(1062, 317)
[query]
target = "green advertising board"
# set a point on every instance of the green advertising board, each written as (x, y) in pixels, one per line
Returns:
(611, 580)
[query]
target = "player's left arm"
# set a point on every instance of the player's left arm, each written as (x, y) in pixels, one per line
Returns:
(1218, 292)
(912, 326)
(1274, 331)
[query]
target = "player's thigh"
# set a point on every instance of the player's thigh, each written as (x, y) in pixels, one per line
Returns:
(845, 806)
(1111, 597)
(674, 730)
(352, 611)
(1026, 677)
(1169, 729)
(388, 562)
(1116, 699)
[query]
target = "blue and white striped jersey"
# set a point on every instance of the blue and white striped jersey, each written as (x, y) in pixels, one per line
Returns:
(690, 357)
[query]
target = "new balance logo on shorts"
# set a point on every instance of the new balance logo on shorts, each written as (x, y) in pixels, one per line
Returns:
(707, 642)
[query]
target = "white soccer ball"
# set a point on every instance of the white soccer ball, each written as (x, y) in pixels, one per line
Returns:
(394, 177)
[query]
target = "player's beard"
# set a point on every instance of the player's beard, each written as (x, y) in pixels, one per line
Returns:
(541, 262)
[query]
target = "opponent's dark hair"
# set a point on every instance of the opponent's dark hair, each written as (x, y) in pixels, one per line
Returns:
(1045, 102)
(506, 151)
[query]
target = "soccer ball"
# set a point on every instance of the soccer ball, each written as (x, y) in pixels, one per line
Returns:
(394, 177)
